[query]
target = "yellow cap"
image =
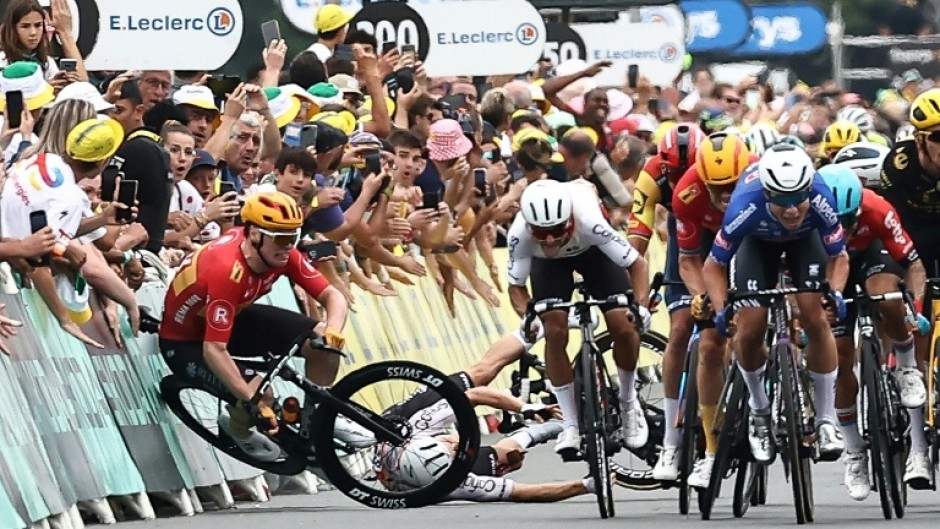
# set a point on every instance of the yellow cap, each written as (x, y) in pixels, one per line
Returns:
(344, 121)
(526, 134)
(591, 133)
(331, 17)
(94, 140)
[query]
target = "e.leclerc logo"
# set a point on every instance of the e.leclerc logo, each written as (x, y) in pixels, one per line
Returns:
(220, 22)
(527, 34)
(668, 52)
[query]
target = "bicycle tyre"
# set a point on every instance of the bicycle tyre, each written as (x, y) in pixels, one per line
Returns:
(594, 404)
(171, 389)
(688, 451)
(748, 471)
(899, 420)
(877, 438)
(794, 429)
(726, 446)
(466, 424)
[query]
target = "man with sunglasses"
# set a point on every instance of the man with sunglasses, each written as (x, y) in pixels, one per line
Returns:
(781, 207)
(699, 203)
(562, 230)
(211, 317)
(880, 254)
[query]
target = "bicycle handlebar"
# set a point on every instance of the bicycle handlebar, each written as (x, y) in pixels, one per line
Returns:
(735, 299)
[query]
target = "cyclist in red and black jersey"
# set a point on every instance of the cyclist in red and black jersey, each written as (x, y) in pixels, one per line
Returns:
(210, 315)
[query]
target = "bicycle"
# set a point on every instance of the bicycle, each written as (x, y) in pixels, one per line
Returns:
(359, 473)
(600, 418)
(886, 421)
(792, 405)
(932, 415)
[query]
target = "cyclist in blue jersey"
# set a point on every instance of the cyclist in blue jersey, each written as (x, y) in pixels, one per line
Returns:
(781, 207)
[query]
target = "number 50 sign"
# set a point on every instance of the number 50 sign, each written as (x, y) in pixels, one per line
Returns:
(563, 43)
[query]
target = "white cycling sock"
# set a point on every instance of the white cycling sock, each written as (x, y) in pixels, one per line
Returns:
(905, 352)
(627, 385)
(568, 404)
(918, 438)
(588, 485)
(755, 387)
(537, 433)
(824, 389)
(671, 437)
(848, 423)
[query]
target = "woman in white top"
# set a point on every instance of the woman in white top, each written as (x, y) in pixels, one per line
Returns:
(24, 37)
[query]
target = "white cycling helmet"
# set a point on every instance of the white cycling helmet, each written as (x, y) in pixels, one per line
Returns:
(858, 115)
(905, 132)
(761, 137)
(418, 463)
(785, 168)
(546, 203)
(865, 159)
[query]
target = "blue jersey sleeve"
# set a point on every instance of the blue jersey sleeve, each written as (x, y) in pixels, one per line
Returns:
(743, 212)
(826, 220)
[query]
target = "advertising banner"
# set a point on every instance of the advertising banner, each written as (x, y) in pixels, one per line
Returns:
(122, 35)
(922, 56)
(563, 43)
(784, 30)
(656, 47)
(301, 13)
(477, 37)
(715, 25)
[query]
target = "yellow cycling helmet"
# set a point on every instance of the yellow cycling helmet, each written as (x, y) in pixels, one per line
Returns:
(721, 159)
(925, 110)
(272, 211)
(840, 134)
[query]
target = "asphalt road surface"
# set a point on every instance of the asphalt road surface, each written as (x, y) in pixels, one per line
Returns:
(656, 509)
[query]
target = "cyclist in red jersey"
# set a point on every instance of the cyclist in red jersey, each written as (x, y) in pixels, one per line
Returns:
(698, 204)
(880, 253)
(210, 315)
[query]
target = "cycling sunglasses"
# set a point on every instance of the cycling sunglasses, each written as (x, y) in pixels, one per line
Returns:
(719, 189)
(282, 239)
(932, 137)
(788, 200)
(849, 220)
(555, 232)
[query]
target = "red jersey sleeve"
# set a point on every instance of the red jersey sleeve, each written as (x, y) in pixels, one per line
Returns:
(688, 220)
(301, 272)
(887, 224)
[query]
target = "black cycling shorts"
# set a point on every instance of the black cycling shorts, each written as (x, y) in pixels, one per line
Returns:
(863, 264)
(756, 265)
(553, 279)
(258, 329)
(487, 462)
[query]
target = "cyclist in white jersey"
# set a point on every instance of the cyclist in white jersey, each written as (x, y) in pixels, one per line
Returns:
(560, 230)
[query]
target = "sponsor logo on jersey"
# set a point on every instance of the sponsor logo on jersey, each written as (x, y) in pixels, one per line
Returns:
(607, 232)
(238, 271)
(834, 237)
(688, 194)
(639, 201)
(825, 209)
(900, 161)
(740, 218)
(220, 315)
(721, 242)
(894, 226)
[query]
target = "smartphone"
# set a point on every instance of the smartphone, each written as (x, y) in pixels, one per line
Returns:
(344, 52)
(224, 85)
(431, 200)
(109, 179)
(752, 99)
(38, 221)
(373, 163)
(408, 49)
(270, 31)
(479, 179)
(388, 45)
(653, 105)
(308, 135)
(227, 187)
(321, 250)
(14, 108)
(127, 195)
(68, 65)
(633, 74)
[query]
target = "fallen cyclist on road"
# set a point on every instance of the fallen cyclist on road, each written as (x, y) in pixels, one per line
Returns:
(211, 317)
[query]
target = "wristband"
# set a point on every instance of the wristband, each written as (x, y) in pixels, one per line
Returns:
(128, 257)
(58, 249)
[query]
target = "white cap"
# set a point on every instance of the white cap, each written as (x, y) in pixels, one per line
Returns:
(84, 91)
(195, 95)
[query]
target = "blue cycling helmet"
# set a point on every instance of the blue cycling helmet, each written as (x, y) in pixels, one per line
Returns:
(845, 186)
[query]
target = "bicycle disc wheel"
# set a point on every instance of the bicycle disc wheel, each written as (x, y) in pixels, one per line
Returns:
(594, 403)
(688, 451)
(422, 405)
(794, 428)
(199, 410)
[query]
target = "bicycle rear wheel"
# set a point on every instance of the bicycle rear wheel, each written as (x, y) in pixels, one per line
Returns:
(199, 410)
(727, 442)
(594, 406)
(441, 435)
(688, 451)
(793, 415)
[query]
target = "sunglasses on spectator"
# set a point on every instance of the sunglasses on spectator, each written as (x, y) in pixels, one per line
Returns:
(788, 200)
(732, 100)
(555, 232)
(932, 137)
(282, 239)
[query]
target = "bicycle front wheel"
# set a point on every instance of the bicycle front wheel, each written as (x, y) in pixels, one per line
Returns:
(428, 410)
(594, 406)
(793, 415)
(689, 450)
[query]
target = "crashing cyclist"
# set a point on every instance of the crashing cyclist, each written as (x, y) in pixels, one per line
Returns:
(211, 316)
(910, 180)
(561, 230)
(699, 205)
(880, 253)
(781, 207)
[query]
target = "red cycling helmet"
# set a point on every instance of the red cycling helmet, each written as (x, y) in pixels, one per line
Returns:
(679, 146)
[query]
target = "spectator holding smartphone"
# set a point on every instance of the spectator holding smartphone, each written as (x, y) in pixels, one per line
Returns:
(23, 38)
